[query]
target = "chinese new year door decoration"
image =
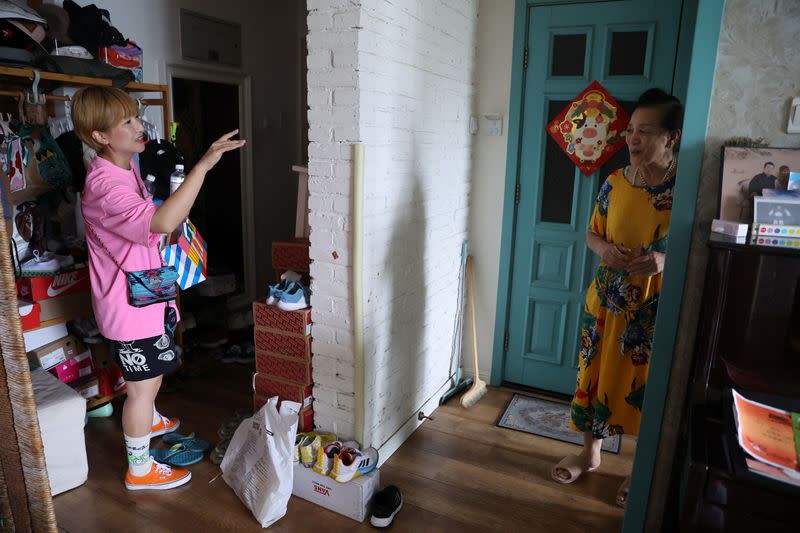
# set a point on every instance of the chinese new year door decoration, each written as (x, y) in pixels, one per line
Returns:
(590, 129)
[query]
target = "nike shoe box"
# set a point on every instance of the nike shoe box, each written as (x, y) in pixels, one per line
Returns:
(29, 314)
(350, 499)
(61, 411)
(40, 288)
(269, 386)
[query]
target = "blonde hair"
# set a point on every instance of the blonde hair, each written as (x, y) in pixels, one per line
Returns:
(99, 109)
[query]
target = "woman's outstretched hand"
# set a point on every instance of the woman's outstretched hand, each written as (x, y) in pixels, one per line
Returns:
(217, 148)
(648, 264)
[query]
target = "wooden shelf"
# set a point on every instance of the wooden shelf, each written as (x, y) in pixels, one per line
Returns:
(60, 320)
(79, 81)
(97, 402)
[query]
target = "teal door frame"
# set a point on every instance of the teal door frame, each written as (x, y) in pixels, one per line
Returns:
(697, 53)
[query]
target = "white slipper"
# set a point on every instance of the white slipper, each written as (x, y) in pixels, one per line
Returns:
(572, 464)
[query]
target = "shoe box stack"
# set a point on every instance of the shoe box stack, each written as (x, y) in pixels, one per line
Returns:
(291, 255)
(46, 305)
(283, 358)
(46, 298)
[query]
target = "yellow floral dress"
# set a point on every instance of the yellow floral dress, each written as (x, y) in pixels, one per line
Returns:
(620, 312)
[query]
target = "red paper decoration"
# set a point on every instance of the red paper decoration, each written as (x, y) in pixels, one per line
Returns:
(590, 130)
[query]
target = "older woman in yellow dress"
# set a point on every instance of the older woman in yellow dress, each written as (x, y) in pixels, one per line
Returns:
(628, 231)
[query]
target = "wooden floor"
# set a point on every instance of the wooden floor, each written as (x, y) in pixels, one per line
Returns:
(458, 472)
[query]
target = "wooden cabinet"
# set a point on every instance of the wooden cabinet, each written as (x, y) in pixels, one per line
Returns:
(748, 339)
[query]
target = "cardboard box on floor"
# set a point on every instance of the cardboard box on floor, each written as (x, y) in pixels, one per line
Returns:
(350, 499)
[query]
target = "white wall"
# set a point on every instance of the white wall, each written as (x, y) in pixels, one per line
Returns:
(493, 84)
(416, 62)
(271, 37)
(397, 77)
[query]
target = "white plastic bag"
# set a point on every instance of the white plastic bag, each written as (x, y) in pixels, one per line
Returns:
(258, 462)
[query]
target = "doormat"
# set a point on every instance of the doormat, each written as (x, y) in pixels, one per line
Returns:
(546, 418)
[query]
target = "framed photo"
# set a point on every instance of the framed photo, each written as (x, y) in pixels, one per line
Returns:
(746, 172)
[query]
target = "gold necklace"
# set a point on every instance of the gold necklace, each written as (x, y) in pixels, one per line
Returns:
(646, 183)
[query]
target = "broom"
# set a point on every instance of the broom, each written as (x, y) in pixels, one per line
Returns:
(478, 389)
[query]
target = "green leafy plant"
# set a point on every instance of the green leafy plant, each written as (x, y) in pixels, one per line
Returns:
(747, 142)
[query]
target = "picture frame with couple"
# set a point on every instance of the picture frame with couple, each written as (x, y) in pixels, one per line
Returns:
(747, 172)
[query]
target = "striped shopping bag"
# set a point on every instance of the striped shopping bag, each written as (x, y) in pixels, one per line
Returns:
(189, 256)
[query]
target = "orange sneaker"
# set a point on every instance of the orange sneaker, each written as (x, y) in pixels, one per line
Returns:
(160, 477)
(166, 425)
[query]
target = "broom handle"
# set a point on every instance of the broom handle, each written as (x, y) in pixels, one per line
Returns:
(470, 291)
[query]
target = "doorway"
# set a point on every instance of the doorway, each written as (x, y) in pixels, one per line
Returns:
(206, 105)
(628, 47)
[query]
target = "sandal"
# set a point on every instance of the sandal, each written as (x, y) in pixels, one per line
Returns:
(178, 455)
(572, 464)
(622, 492)
(190, 441)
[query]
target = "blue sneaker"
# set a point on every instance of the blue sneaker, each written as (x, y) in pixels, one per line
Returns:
(295, 297)
(275, 291)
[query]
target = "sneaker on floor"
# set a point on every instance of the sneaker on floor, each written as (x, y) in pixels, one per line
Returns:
(160, 477)
(248, 354)
(232, 354)
(309, 447)
(351, 463)
(385, 505)
(165, 425)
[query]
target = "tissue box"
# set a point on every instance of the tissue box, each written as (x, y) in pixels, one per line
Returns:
(350, 499)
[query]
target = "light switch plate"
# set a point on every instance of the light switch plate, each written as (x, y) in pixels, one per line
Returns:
(494, 124)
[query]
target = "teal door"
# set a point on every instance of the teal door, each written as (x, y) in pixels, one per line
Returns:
(628, 46)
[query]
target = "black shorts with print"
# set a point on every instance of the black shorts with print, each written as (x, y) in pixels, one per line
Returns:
(151, 357)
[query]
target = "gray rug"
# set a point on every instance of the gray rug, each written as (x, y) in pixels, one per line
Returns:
(547, 419)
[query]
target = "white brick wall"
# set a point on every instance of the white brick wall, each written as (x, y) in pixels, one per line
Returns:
(396, 76)
(333, 125)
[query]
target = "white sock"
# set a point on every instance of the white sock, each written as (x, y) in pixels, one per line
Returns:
(156, 415)
(139, 459)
